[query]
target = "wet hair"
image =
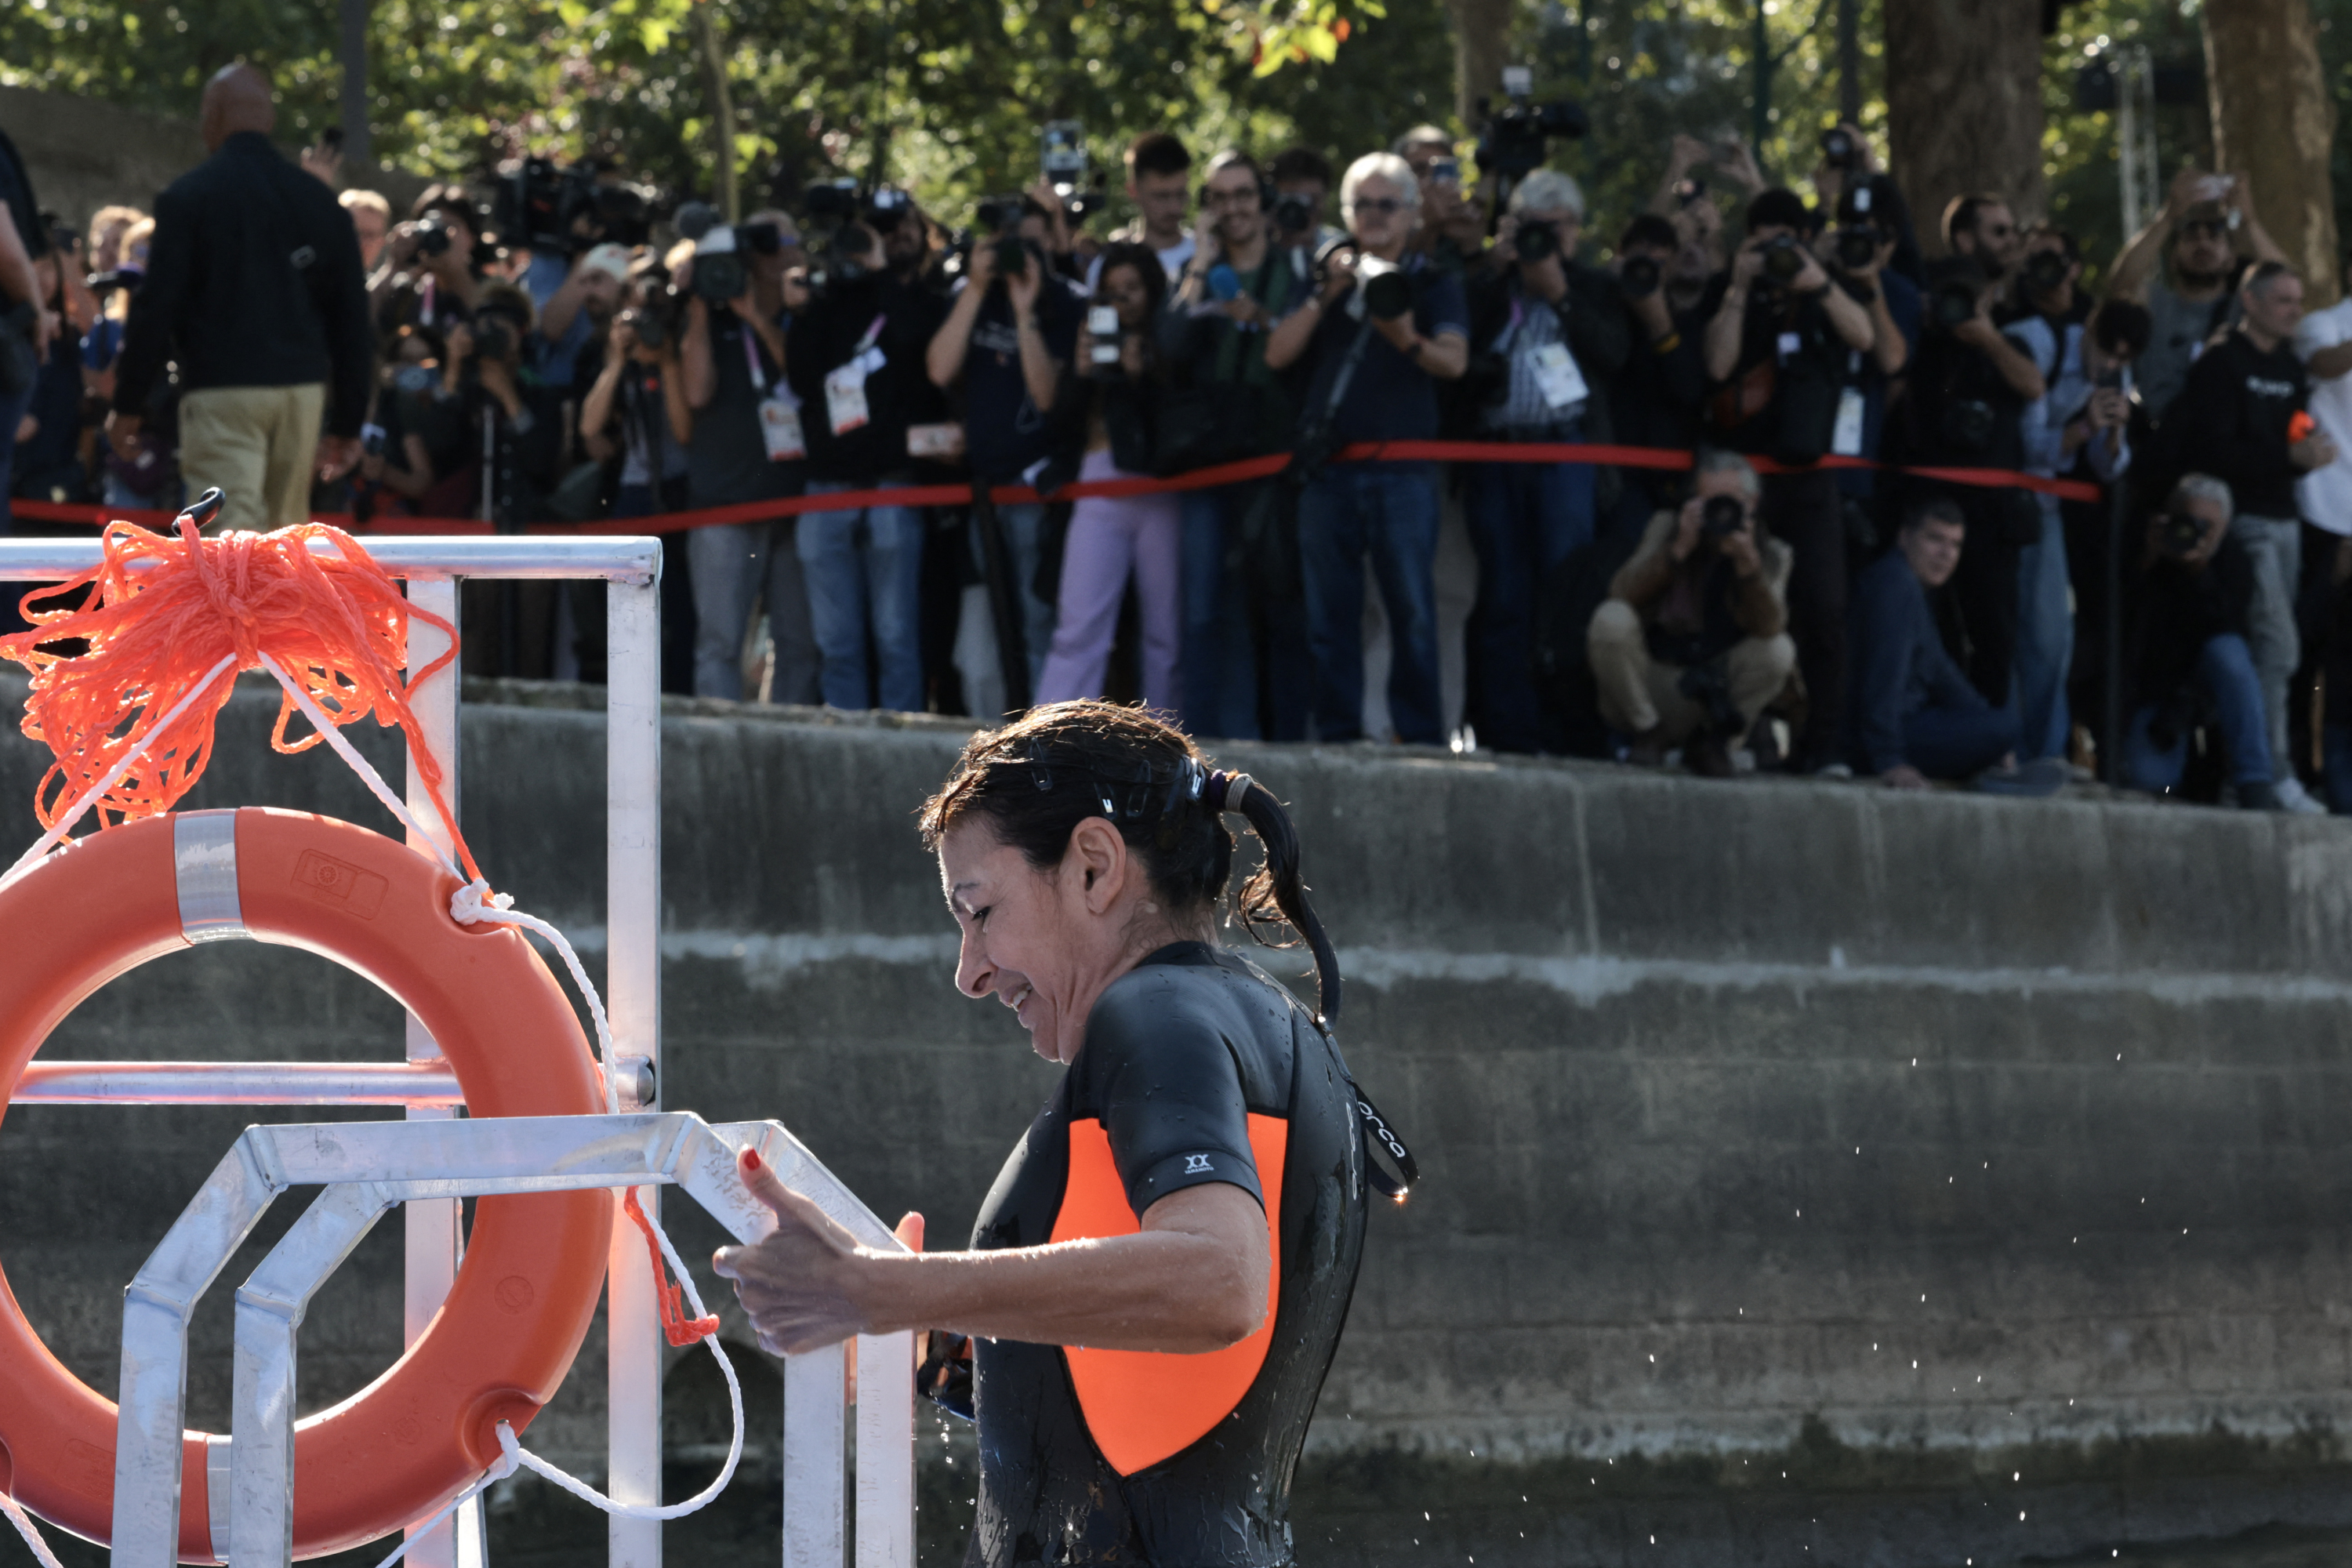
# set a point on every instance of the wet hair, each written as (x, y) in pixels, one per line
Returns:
(1035, 780)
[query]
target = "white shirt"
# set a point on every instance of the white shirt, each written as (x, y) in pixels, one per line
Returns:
(2043, 423)
(1172, 262)
(2324, 495)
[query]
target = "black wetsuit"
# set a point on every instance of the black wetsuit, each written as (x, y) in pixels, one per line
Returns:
(1196, 1069)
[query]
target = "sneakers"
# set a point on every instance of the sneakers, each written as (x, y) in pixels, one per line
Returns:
(2255, 796)
(2039, 776)
(2290, 795)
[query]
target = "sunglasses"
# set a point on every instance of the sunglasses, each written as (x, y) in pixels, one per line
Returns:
(1376, 205)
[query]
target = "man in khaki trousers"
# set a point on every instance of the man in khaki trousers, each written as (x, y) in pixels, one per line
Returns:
(254, 286)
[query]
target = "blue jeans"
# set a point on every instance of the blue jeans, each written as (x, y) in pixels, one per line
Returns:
(2045, 640)
(1524, 519)
(865, 566)
(2225, 668)
(1390, 511)
(1023, 526)
(1958, 742)
(731, 563)
(1222, 623)
(2335, 756)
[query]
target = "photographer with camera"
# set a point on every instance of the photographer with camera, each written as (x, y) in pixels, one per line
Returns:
(2047, 279)
(1693, 640)
(1779, 334)
(1008, 339)
(1964, 405)
(1656, 400)
(1452, 231)
(1302, 185)
(745, 441)
(1859, 252)
(254, 290)
(1914, 716)
(2204, 236)
(2242, 418)
(1111, 406)
(430, 279)
(1379, 334)
(1847, 164)
(2081, 427)
(628, 405)
(855, 356)
(1244, 615)
(2189, 650)
(1554, 335)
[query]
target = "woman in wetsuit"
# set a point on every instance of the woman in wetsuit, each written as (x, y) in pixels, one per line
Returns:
(1158, 1279)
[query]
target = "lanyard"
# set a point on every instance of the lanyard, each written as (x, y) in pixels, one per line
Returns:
(751, 357)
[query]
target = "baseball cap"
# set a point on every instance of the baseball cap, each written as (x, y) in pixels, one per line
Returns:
(611, 260)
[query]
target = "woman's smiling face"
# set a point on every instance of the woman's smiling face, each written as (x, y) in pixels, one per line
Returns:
(1021, 941)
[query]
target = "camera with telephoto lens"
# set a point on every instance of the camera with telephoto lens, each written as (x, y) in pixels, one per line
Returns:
(1536, 241)
(2178, 535)
(2045, 272)
(1517, 138)
(720, 273)
(1857, 246)
(433, 238)
(566, 211)
(1293, 215)
(1387, 291)
(1640, 277)
(1955, 289)
(1720, 518)
(494, 336)
(1784, 258)
(1839, 149)
(1062, 161)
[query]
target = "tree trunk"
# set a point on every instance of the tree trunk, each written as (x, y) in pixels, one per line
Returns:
(1482, 39)
(2273, 123)
(1964, 105)
(722, 111)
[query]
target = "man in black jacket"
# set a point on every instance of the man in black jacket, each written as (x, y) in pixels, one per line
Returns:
(855, 357)
(2240, 417)
(254, 285)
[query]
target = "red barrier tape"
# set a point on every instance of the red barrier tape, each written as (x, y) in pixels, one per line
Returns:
(1199, 479)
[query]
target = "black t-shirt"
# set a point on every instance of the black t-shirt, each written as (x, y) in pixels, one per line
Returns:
(1196, 1069)
(17, 194)
(727, 458)
(1783, 337)
(1960, 410)
(2232, 417)
(827, 334)
(1004, 431)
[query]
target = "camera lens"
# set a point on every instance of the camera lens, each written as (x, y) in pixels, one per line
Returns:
(1782, 259)
(1639, 277)
(1387, 295)
(1293, 213)
(1536, 241)
(1720, 517)
(1856, 248)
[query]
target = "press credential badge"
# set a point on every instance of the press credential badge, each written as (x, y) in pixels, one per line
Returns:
(844, 388)
(1557, 377)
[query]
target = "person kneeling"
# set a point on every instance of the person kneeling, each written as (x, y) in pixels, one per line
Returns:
(1692, 641)
(1916, 715)
(2197, 587)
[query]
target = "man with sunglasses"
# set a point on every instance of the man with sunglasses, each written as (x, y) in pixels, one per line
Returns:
(2206, 231)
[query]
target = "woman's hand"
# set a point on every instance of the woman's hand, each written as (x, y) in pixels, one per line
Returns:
(800, 1284)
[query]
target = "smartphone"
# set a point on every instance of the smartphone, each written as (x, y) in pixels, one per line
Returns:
(1102, 328)
(1446, 172)
(1062, 155)
(332, 138)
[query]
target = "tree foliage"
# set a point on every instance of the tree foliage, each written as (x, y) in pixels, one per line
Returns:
(947, 96)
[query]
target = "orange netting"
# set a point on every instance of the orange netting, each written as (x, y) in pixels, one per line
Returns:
(162, 610)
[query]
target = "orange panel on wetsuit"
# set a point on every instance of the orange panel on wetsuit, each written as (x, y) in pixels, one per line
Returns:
(1142, 1405)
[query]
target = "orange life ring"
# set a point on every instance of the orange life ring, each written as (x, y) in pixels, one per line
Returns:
(535, 1264)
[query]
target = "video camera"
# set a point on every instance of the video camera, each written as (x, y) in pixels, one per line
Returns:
(567, 211)
(1062, 161)
(2045, 272)
(1517, 138)
(721, 271)
(1955, 287)
(834, 210)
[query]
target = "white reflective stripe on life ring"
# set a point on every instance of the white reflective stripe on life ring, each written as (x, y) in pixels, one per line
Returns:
(204, 861)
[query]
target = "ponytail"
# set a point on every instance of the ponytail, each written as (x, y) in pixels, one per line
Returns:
(1276, 895)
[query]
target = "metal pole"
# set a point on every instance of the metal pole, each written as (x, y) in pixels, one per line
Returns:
(1849, 49)
(357, 150)
(434, 1242)
(632, 993)
(2111, 742)
(1004, 590)
(1761, 116)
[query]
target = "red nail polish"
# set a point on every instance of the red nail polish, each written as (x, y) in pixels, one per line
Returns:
(751, 1159)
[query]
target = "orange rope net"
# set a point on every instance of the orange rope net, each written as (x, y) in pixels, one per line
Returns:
(163, 610)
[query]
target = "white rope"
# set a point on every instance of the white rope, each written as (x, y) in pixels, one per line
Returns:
(97, 792)
(472, 904)
(29, 1531)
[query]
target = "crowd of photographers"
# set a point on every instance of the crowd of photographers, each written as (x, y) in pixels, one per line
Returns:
(540, 360)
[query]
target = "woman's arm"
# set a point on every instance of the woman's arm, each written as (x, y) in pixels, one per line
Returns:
(1194, 1280)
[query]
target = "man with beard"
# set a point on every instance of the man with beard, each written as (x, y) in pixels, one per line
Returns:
(2208, 231)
